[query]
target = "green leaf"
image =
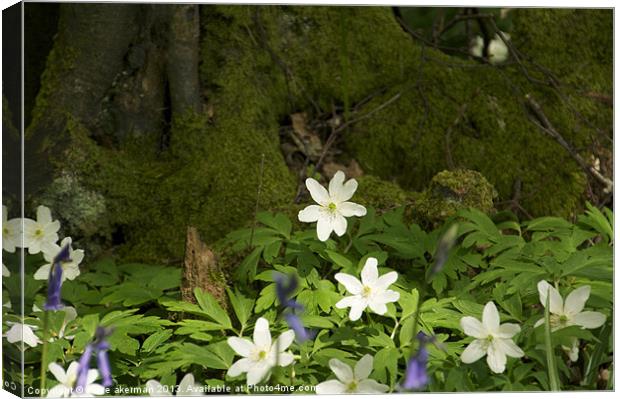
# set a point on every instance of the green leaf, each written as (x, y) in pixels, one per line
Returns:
(242, 306)
(266, 298)
(339, 260)
(156, 339)
(90, 323)
(212, 308)
(279, 222)
(246, 271)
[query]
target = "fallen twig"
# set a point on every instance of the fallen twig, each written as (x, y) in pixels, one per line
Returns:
(545, 125)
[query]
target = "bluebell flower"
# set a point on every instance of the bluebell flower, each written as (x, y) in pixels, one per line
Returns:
(416, 376)
(285, 286)
(54, 283)
(100, 347)
(301, 333)
(446, 242)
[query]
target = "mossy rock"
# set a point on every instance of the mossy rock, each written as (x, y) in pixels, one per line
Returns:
(451, 191)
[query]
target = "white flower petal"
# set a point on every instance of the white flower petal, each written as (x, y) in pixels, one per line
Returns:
(377, 307)
(324, 227)
(508, 330)
(310, 214)
(363, 367)
(284, 359)
(340, 225)
(58, 372)
(29, 337)
(496, 358)
(370, 273)
(242, 346)
(70, 273)
(348, 301)
(331, 387)
(353, 285)
(318, 193)
(335, 185)
(154, 388)
(285, 340)
(490, 318)
(186, 386)
(576, 300)
(240, 366)
(94, 389)
(556, 304)
(44, 215)
(474, 351)
(72, 370)
(508, 347)
(342, 370)
(371, 386)
(91, 376)
(43, 272)
(589, 319)
(59, 391)
(262, 336)
(384, 281)
(345, 191)
(257, 373)
(348, 209)
(387, 296)
(473, 327)
(540, 322)
(356, 310)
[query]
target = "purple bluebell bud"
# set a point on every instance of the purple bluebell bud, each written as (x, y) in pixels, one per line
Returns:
(285, 286)
(54, 282)
(446, 242)
(100, 347)
(103, 364)
(301, 333)
(416, 376)
(83, 366)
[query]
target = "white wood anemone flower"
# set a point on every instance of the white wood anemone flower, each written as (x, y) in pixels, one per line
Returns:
(491, 339)
(67, 380)
(351, 380)
(22, 332)
(498, 52)
(260, 356)
(11, 236)
(569, 312)
(371, 292)
(333, 206)
(70, 270)
(42, 234)
(187, 387)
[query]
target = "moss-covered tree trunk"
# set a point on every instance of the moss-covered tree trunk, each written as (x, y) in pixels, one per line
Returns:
(152, 118)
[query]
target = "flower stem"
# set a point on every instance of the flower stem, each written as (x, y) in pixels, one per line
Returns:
(416, 317)
(554, 381)
(44, 350)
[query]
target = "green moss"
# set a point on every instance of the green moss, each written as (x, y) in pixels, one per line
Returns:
(381, 194)
(261, 64)
(457, 113)
(450, 191)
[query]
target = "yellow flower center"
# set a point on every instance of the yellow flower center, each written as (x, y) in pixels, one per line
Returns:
(38, 232)
(5, 231)
(352, 387)
(262, 355)
(490, 338)
(331, 207)
(366, 291)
